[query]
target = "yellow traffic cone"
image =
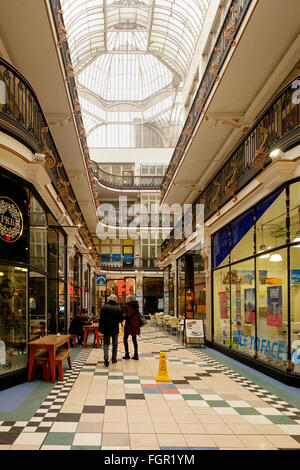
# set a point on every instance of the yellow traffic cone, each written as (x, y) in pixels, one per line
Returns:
(162, 372)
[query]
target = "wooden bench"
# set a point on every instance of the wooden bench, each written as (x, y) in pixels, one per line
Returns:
(74, 338)
(42, 359)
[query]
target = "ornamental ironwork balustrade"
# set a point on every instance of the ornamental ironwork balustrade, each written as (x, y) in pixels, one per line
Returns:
(225, 40)
(128, 182)
(21, 116)
(277, 127)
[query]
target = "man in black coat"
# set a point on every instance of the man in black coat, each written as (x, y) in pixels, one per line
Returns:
(110, 317)
(77, 324)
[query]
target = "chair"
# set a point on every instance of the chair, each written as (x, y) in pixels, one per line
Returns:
(180, 326)
(173, 322)
(158, 320)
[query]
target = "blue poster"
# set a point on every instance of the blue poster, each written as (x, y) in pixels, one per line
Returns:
(295, 276)
(101, 280)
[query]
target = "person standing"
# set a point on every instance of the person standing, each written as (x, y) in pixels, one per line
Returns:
(110, 317)
(132, 325)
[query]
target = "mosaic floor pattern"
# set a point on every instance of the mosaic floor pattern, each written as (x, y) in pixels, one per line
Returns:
(207, 405)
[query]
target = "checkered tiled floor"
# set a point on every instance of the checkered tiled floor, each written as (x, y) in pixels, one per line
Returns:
(205, 406)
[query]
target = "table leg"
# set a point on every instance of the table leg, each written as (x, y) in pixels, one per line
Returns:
(51, 352)
(31, 361)
(97, 338)
(85, 337)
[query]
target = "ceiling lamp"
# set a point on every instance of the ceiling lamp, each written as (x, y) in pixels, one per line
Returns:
(276, 258)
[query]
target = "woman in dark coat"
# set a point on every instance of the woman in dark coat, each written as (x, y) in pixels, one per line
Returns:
(132, 325)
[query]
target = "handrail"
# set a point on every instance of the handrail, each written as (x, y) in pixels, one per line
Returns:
(133, 182)
(21, 116)
(277, 126)
(224, 42)
(138, 263)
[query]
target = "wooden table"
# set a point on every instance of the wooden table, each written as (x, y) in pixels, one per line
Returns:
(50, 343)
(92, 328)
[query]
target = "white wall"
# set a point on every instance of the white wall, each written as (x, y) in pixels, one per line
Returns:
(137, 156)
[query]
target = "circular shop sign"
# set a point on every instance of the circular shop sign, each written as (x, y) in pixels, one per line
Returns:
(11, 220)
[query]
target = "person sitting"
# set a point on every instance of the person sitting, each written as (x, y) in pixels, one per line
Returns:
(77, 324)
(110, 317)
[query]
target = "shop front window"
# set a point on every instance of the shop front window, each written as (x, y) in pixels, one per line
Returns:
(199, 287)
(221, 283)
(272, 309)
(243, 307)
(295, 311)
(38, 235)
(181, 287)
(13, 319)
(37, 306)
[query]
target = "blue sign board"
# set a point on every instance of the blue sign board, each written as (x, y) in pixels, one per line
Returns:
(101, 280)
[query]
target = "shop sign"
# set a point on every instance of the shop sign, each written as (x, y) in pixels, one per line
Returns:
(194, 331)
(274, 306)
(101, 280)
(11, 220)
(274, 349)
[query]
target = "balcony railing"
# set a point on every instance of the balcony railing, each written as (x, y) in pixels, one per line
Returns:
(131, 182)
(125, 264)
(224, 42)
(21, 117)
(277, 127)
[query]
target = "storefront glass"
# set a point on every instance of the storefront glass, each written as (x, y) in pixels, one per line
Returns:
(272, 309)
(181, 287)
(254, 299)
(37, 306)
(13, 318)
(295, 311)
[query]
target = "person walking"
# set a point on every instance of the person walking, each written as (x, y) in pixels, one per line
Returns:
(110, 317)
(132, 325)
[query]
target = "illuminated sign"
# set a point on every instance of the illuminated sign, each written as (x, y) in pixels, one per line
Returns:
(11, 220)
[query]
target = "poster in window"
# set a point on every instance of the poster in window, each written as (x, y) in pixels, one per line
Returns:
(249, 298)
(223, 305)
(274, 306)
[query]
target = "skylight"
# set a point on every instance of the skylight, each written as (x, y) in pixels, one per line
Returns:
(132, 56)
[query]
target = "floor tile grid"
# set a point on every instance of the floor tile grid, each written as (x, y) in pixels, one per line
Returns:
(46, 414)
(88, 367)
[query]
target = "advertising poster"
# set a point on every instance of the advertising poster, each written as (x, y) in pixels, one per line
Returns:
(139, 299)
(223, 305)
(274, 317)
(249, 299)
(194, 331)
(295, 276)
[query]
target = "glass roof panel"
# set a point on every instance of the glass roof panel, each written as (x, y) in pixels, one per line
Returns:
(131, 59)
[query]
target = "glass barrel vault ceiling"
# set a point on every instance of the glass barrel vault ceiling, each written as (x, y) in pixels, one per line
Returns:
(131, 59)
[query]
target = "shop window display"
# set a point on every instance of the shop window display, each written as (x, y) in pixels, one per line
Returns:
(181, 286)
(37, 306)
(243, 307)
(222, 330)
(295, 311)
(13, 319)
(255, 299)
(272, 326)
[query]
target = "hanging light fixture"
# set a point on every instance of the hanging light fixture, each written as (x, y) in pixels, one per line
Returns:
(297, 239)
(263, 246)
(276, 257)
